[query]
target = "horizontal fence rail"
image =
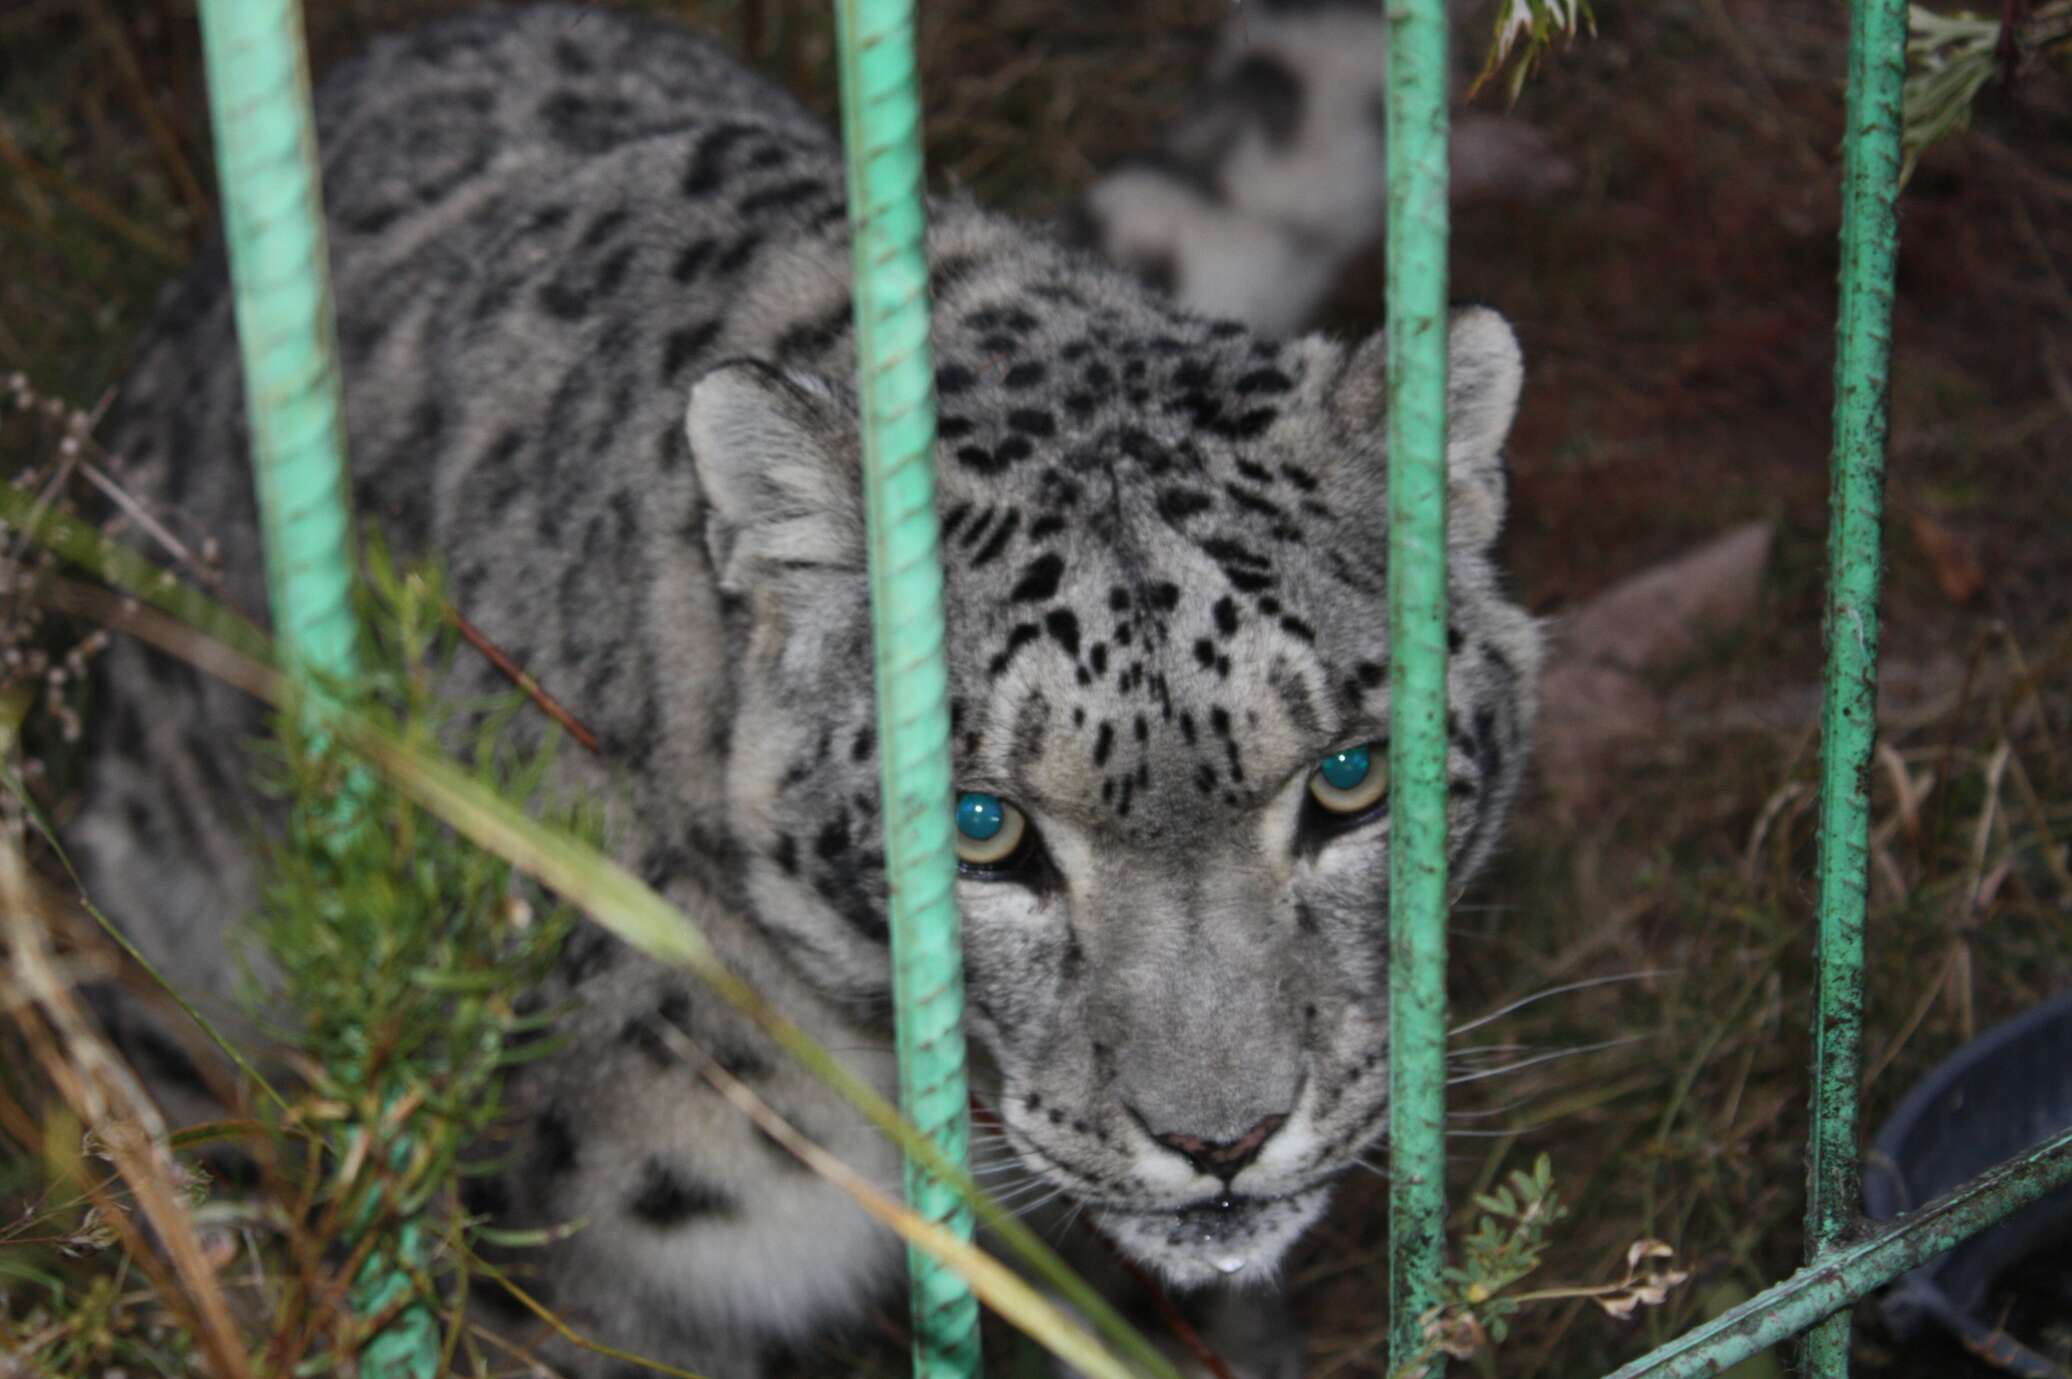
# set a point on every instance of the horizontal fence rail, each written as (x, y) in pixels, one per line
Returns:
(1850, 1271)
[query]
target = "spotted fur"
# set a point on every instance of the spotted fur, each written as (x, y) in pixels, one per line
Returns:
(1275, 174)
(593, 292)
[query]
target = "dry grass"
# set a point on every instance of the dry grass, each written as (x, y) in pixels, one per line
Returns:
(1675, 309)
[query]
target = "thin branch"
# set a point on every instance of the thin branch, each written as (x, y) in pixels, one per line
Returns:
(518, 676)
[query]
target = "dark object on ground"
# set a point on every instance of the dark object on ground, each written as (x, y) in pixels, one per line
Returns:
(2004, 1092)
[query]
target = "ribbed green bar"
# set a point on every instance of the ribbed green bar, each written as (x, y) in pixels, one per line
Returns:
(273, 222)
(881, 124)
(1836, 1279)
(259, 104)
(1870, 247)
(1417, 664)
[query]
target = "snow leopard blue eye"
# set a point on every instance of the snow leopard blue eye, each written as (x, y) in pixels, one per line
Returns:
(1351, 781)
(989, 829)
(1345, 770)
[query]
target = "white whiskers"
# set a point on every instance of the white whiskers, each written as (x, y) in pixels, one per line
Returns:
(1535, 1061)
(1537, 996)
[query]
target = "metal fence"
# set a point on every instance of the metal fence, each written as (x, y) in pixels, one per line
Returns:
(259, 95)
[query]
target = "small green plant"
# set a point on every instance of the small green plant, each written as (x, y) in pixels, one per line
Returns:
(398, 945)
(1950, 57)
(1526, 31)
(1504, 1247)
(400, 948)
(395, 955)
(1476, 1304)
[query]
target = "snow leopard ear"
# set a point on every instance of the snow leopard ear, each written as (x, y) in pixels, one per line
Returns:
(1484, 373)
(776, 454)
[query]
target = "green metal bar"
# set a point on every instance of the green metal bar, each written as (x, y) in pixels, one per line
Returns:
(259, 106)
(1417, 228)
(1828, 1285)
(273, 221)
(881, 125)
(1870, 248)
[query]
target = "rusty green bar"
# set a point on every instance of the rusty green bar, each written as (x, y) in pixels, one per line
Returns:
(1863, 352)
(1835, 1279)
(881, 128)
(1417, 225)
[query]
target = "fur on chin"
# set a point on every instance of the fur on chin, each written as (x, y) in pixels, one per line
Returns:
(1242, 1245)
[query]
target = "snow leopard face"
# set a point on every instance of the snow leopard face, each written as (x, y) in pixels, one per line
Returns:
(1167, 639)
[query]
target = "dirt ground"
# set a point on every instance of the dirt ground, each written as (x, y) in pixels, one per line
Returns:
(1675, 304)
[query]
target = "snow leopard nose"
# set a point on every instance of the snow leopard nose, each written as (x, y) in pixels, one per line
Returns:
(1227, 1159)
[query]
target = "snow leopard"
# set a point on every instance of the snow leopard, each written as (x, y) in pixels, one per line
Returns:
(594, 319)
(1273, 176)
